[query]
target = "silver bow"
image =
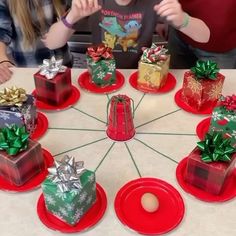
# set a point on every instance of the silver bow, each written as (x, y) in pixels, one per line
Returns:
(51, 67)
(66, 174)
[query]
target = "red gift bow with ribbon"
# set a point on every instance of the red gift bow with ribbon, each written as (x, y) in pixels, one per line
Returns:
(99, 52)
(154, 54)
(229, 102)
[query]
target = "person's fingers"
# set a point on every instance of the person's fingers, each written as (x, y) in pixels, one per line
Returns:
(44, 40)
(92, 6)
(171, 18)
(95, 9)
(167, 4)
(91, 3)
(6, 68)
(164, 2)
(84, 4)
(77, 4)
(168, 12)
(95, 3)
(161, 4)
(165, 8)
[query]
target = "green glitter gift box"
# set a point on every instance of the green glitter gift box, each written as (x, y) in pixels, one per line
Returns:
(101, 65)
(69, 191)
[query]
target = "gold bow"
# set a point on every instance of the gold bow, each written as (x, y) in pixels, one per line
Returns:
(12, 96)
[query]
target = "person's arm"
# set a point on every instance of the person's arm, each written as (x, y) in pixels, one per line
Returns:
(64, 28)
(3, 52)
(193, 27)
(5, 64)
(5, 39)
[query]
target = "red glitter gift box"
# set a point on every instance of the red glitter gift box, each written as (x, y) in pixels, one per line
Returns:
(210, 177)
(20, 168)
(54, 90)
(202, 92)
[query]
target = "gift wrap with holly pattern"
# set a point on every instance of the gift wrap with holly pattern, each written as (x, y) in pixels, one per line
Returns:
(224, 120)
(101, 65)
(70, 206)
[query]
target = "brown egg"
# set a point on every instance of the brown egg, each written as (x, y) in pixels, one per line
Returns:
(149, 202)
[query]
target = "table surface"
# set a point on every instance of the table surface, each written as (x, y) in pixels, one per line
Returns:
(165, 134)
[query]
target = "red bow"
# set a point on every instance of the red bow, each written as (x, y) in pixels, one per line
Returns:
(229, 103)
(99, 52)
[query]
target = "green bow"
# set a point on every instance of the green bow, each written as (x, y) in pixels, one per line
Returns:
(13, 139)
(205, 69)
(216, 148)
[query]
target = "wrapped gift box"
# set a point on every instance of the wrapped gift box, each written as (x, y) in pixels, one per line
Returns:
(14, 110)
(53, 82)
(21, 167)
(69, 198)
(224, 118)
(202, 89)
(101, 65)
(153, 68)
(209, 176)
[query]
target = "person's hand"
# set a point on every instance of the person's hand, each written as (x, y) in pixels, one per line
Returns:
(172, 11)
(79, 9)
(162, 30)
(82, 8)
(5, 71)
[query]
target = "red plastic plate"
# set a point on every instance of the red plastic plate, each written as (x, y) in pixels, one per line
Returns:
(41, 128)
(32, 183)
(92, 217)
(170, 84)
(86, 84)
(228, 193)
(130, 212)
(74, 97)
(203, 127)
(186, 107)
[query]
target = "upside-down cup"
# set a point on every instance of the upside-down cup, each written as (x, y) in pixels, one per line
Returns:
(120, 120)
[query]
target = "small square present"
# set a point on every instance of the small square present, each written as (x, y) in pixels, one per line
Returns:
(224, 118)
(202, 86)
(53, 82)
(153, 68)
(17, 108)
(101, 65)
(20, 159)
(211, 163)
(70, 190)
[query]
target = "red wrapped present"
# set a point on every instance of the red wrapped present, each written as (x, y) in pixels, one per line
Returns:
(120, 120)
(211, 163)
(53, 82)
(202, 85)
(20, 158)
